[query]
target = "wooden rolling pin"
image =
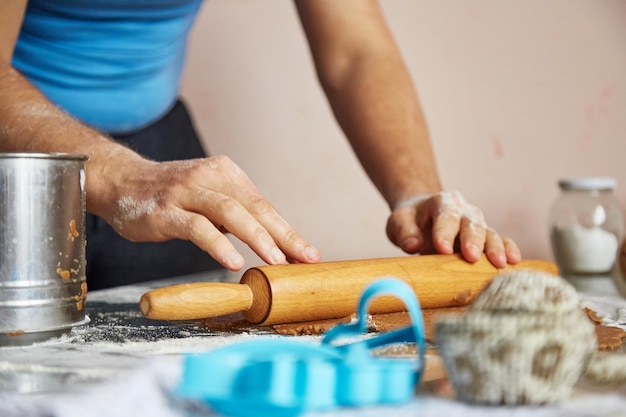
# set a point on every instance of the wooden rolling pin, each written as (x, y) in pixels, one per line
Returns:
(305, 292)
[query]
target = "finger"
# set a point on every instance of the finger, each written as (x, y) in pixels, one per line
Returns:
(494, 249)
(227, 214)
(289, 243)
(513, 253)
(446, 226)
(203, 233)
(403, 231)
(294, 246)
(472, 236)
(230, 215)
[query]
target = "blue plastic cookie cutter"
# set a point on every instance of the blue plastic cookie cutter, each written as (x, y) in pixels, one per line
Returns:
(282, 376)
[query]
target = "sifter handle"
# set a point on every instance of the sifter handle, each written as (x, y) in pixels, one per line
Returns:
(193, 301)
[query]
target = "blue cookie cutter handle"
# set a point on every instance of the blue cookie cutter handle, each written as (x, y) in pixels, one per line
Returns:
(363, 380)
(283, 376)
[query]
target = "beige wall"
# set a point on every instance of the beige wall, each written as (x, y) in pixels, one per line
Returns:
(517, 95)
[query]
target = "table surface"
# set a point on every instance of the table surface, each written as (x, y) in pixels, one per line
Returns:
(124, 364)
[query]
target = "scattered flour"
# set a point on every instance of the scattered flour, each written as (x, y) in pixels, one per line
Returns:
(451, 202)
(131, 209)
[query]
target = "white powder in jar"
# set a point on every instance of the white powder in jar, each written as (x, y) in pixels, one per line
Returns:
(584, 250)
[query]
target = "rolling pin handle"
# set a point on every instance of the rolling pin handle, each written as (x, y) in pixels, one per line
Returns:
(195, 301)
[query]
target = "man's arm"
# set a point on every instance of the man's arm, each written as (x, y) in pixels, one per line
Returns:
(196, 200)
(366, 82)
(373, 98)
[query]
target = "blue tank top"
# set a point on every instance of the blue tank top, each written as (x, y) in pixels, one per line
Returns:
(113, 64)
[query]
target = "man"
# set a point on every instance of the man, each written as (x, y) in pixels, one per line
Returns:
(73, 69)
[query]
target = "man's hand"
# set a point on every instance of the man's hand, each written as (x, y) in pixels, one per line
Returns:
(437, 223)
(200, 200)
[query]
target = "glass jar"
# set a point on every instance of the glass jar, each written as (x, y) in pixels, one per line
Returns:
(586, 226)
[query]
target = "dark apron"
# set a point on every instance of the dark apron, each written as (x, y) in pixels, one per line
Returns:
(113, 260)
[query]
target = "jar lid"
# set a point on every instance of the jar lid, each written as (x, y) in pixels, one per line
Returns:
(588, 183)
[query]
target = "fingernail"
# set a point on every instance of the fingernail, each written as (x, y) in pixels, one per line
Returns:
(474, 251)
(311, 253)
(409, 243)
(447, 246)
(235, 259)
(501, 259)
(277, 256)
